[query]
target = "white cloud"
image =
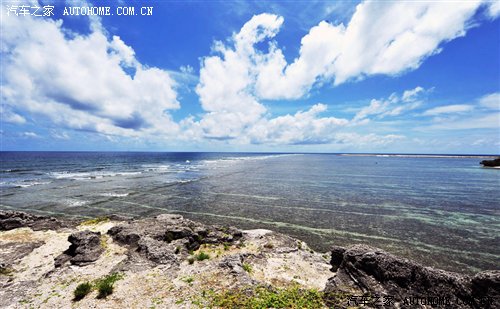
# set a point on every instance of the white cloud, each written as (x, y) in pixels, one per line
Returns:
(412, 95)
(227, 94)
(225, 81)
(371, 140)
(392, 106)
(186, 69)
(10, 116)
(59, 135)
(30, 135)
(448, 109)
(491, 121)
(494, 9)
(95, 83)
(81, 81)
(377, 40)
(491, 101)
(301, 128)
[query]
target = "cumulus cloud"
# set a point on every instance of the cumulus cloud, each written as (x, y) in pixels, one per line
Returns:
(375, 41)
(85, 82)
(233, 110)
(301, 128)
(226, 79)
(95, 83)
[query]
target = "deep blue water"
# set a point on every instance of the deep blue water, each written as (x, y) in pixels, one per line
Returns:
(441, 211)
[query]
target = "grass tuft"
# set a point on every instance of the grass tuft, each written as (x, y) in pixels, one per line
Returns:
(105, 285)
(247, 267)
(202, 256)
(82, 290)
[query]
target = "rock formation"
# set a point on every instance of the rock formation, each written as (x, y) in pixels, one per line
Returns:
(163, 238)
(362, 270)
(159, 259)
(15, 219)
(85, 248)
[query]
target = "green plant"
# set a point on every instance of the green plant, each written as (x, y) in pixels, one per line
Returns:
(202, 256)
(261, 297)
(247, 267)
(95, 221)
(188, 280)
(191, 260)
(226, 246)
(82, 290)
(177, 249)
(105, 285)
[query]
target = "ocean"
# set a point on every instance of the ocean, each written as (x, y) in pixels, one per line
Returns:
(441, 211)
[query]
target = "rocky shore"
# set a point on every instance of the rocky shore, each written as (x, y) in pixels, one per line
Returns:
(172, 262)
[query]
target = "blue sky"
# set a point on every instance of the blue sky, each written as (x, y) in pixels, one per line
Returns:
(284, 76)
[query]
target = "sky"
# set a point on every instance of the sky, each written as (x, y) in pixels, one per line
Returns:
(264, 76)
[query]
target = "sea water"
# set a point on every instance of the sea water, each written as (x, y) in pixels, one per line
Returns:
(441, 211)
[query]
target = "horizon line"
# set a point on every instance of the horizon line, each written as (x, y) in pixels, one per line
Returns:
(262, 152)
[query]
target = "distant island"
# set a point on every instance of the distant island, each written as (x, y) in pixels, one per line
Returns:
(491, 163)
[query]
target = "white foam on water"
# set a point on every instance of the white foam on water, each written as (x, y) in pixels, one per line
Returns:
(75, 202)
(89, 175)
(27, 184)
(114, 194)
(157, 168)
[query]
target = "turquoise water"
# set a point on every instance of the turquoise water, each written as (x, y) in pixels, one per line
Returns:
(441, 211)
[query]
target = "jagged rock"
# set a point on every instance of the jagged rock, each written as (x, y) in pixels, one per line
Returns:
(85, 248)
(157, 251)
(234, 264)
(337, 257)
(159, 239)
(122, 236)
(15, 219)
(487, 284)
(364, 270)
